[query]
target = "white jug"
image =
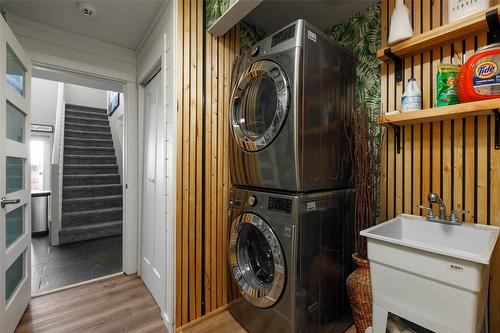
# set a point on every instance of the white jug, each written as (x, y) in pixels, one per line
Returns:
(400, 28)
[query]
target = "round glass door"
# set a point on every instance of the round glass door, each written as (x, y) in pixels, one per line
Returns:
(259, 105)
(256, 260)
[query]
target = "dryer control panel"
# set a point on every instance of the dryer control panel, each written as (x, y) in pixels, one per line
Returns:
(280, 205)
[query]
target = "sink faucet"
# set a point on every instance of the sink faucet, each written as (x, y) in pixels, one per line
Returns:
(442, 218)
(434, 198)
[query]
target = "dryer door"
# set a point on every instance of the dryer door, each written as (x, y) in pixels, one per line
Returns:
(259, 105)
(257, 260)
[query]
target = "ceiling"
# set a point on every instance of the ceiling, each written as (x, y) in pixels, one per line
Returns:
(120, 22)
(272, 15)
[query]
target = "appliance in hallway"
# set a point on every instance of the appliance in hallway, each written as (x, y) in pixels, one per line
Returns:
(290, 255)
(291, 101)
(292, 210)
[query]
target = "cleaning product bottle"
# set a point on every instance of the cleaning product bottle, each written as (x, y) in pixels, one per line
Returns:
(479, 78)
(412, 97)
(400, 28)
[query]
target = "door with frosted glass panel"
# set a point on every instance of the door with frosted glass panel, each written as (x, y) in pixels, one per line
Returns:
(15, 192)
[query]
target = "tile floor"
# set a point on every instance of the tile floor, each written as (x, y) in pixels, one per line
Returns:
(58, 266)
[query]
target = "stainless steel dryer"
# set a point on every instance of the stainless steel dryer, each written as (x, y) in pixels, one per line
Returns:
(289, 257)
(291, 106)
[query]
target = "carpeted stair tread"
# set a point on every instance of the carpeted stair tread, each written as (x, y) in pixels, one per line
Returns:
(94, 159)
(85, 108)
(87, 134)
(86, 114)
(86, 232)
(89, 169)
(92, 203)
(93, 198)
(93, 216)
(83, 150)
(69, 180)
(89, 142)
(84, 120)
(87, 127)
(85, 191)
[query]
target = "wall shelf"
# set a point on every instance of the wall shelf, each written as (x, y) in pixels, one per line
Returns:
(234, 14)
(437, 37)
(457, 111)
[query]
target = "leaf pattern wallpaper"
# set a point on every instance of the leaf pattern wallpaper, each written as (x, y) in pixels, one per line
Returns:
(215, 9)
(361, 35)
(249, 35)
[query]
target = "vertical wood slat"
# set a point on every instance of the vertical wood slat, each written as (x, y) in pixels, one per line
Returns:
(202, 163)
(494, 302)
(185, 158)
(454, 158)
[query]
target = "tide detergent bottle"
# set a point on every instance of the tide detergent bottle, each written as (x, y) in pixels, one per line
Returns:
(479, 78)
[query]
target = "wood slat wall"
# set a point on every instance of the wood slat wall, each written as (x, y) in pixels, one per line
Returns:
(454, 158)
(202, 163)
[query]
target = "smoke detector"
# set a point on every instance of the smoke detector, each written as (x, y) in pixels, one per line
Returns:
(87, 9)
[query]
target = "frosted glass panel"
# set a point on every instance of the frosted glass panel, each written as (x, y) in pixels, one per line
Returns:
(14, 224)
(14, 124)
(13, 276)
(15, 71)
(14, 175)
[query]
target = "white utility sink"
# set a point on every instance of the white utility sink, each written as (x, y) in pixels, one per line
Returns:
(433, 274)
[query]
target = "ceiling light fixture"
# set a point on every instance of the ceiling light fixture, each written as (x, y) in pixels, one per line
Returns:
(87, 9)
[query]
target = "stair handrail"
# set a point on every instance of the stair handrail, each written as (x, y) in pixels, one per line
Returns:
(57, 166)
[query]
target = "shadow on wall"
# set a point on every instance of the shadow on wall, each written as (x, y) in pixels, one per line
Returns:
(116, 124)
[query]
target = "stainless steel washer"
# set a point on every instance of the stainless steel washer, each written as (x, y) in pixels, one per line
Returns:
(289, 257)
(291, 112)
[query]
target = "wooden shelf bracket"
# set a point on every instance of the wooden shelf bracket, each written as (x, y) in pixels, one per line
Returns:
(496, 114)
(398, 64)
(493, 26)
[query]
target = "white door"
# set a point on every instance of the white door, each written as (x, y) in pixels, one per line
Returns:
(15, 185)
(153, 221)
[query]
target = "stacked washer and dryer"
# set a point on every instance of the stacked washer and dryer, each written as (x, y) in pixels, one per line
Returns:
(292, 202)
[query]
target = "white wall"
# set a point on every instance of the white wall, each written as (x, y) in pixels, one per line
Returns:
(116, 125)
(43, 101)
(84, 96)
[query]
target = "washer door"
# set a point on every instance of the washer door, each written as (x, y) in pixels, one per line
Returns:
(259, 105)
(256, 259)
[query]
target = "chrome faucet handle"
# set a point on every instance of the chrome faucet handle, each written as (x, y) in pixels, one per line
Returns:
(429, 210)
(454, 214)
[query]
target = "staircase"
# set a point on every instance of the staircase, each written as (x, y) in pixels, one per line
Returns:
(92, 191)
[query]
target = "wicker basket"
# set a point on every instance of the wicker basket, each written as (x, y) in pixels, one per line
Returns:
(359, 290)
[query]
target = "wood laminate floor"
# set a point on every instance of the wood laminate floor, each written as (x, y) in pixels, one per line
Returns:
(119, 304)
(222, 322)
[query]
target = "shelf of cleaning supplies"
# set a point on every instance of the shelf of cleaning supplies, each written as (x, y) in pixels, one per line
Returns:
(466, 26)
(441, 113)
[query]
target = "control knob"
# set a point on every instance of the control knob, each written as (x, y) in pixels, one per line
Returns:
(251, 201)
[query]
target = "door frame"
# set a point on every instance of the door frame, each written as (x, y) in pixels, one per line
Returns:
(130, 157)
(169, 189)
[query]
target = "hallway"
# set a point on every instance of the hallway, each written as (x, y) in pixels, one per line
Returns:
(117, 304)
(54, 267)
